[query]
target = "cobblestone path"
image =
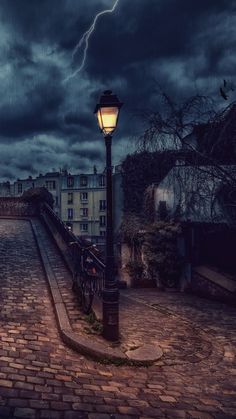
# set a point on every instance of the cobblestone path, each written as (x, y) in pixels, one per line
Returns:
(41, 378)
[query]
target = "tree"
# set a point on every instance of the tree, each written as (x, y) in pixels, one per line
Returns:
(37, 196)
(167, 127)
(203, 138)
(141, 169)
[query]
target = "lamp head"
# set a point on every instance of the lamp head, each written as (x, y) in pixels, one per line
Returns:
(107, 112)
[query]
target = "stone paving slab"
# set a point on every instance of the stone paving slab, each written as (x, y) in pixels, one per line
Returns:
(40, 377)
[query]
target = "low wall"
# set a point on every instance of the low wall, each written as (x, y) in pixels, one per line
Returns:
(16, 207)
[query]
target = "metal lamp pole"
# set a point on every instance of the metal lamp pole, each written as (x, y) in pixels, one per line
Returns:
(107, 112)
(111, 292)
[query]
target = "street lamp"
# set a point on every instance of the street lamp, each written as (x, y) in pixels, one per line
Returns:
(107, 112)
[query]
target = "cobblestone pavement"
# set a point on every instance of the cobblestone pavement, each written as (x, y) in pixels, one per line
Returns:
(41, 378)
(134, 331)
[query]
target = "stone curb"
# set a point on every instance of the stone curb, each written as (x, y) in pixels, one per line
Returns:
(79, 343)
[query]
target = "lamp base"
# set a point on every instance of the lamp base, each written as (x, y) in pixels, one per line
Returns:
(111, 314)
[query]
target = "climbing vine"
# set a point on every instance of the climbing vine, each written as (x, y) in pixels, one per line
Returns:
(139, 171)
(161, 252)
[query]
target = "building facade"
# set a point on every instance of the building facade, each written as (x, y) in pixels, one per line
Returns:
(52, 182)
(79, 200)
(83, 205)
(6, 189)
(22, 185)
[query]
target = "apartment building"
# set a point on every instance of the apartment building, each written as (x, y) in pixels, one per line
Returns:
(21, 185)
(83, 204)
(51, 181)
(79, 200)
(6, 189)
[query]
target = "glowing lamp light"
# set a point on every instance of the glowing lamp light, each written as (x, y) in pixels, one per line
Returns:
(107, 112)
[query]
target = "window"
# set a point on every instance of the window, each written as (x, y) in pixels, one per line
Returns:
(84, 196)
(19, 187)
(70, 198)
(84, 212)
(70, 181)
(102, 205)
(102, 180)
(50, 185)
(102, 221)
(83, 227)
(83, 180)
(102, 233)
(70, 213)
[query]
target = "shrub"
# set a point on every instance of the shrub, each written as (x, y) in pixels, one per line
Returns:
(161, 252)
(37, 196)
(135, 269)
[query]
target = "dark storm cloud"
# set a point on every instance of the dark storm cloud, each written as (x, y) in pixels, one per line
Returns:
(26, 167)
(33, 108)
(145, 31)
(73, 118)
(178, 45)
(19, 54)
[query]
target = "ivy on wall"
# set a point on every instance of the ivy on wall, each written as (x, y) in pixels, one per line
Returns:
(155, 241)
(140, 170)
(161, 253)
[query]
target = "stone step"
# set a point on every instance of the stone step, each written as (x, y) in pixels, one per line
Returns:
(216, 277)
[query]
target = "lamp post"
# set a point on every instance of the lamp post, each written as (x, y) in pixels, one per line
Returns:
(107, 112)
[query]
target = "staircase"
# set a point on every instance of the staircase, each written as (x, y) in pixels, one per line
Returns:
(210, 283)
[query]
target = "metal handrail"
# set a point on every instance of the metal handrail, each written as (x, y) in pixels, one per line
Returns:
(87, 269)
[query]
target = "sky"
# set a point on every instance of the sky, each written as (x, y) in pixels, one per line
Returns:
(47, 100)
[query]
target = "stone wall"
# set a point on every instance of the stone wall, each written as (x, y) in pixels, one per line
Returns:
(16, 207)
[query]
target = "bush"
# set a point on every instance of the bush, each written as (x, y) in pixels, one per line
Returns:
(161, 252)
(37, 196)
(135, 269)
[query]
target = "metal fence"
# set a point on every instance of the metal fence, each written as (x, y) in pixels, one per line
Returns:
(87, 268)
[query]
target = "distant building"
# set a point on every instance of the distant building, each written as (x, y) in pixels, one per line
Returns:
(83, 205)
(21, 185)
(79, 200)
(52, 182)
(6, 189)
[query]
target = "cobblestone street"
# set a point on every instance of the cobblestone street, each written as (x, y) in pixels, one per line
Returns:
(40, 377)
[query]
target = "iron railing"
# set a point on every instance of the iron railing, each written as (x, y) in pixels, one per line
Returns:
(88, 270)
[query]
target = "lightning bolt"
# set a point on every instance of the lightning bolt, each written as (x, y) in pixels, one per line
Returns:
(84, 41)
